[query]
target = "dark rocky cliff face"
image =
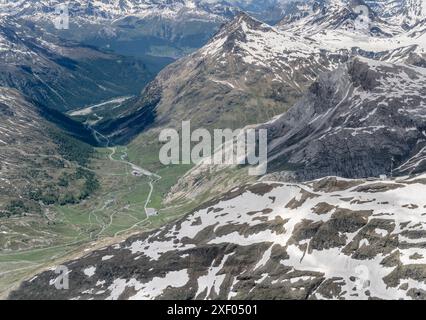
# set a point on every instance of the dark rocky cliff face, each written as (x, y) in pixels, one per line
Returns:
(363, 120)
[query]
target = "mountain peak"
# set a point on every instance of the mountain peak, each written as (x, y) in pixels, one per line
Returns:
(237, 31)
(243, 18)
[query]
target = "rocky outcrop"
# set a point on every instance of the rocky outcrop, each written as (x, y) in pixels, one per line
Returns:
(364, 120)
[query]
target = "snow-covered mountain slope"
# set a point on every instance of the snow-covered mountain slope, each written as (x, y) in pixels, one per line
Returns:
(406, 13)
(60, 74)
(336, 25)
(383, 16)
(327, 239)
(247, 73)
(365, 119)
(109, 9)
(338, 15)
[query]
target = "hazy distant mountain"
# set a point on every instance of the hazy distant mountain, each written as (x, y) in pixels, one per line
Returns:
(155, 27)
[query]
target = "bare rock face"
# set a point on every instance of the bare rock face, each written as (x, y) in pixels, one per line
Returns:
(267, 241)
(365, 119)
